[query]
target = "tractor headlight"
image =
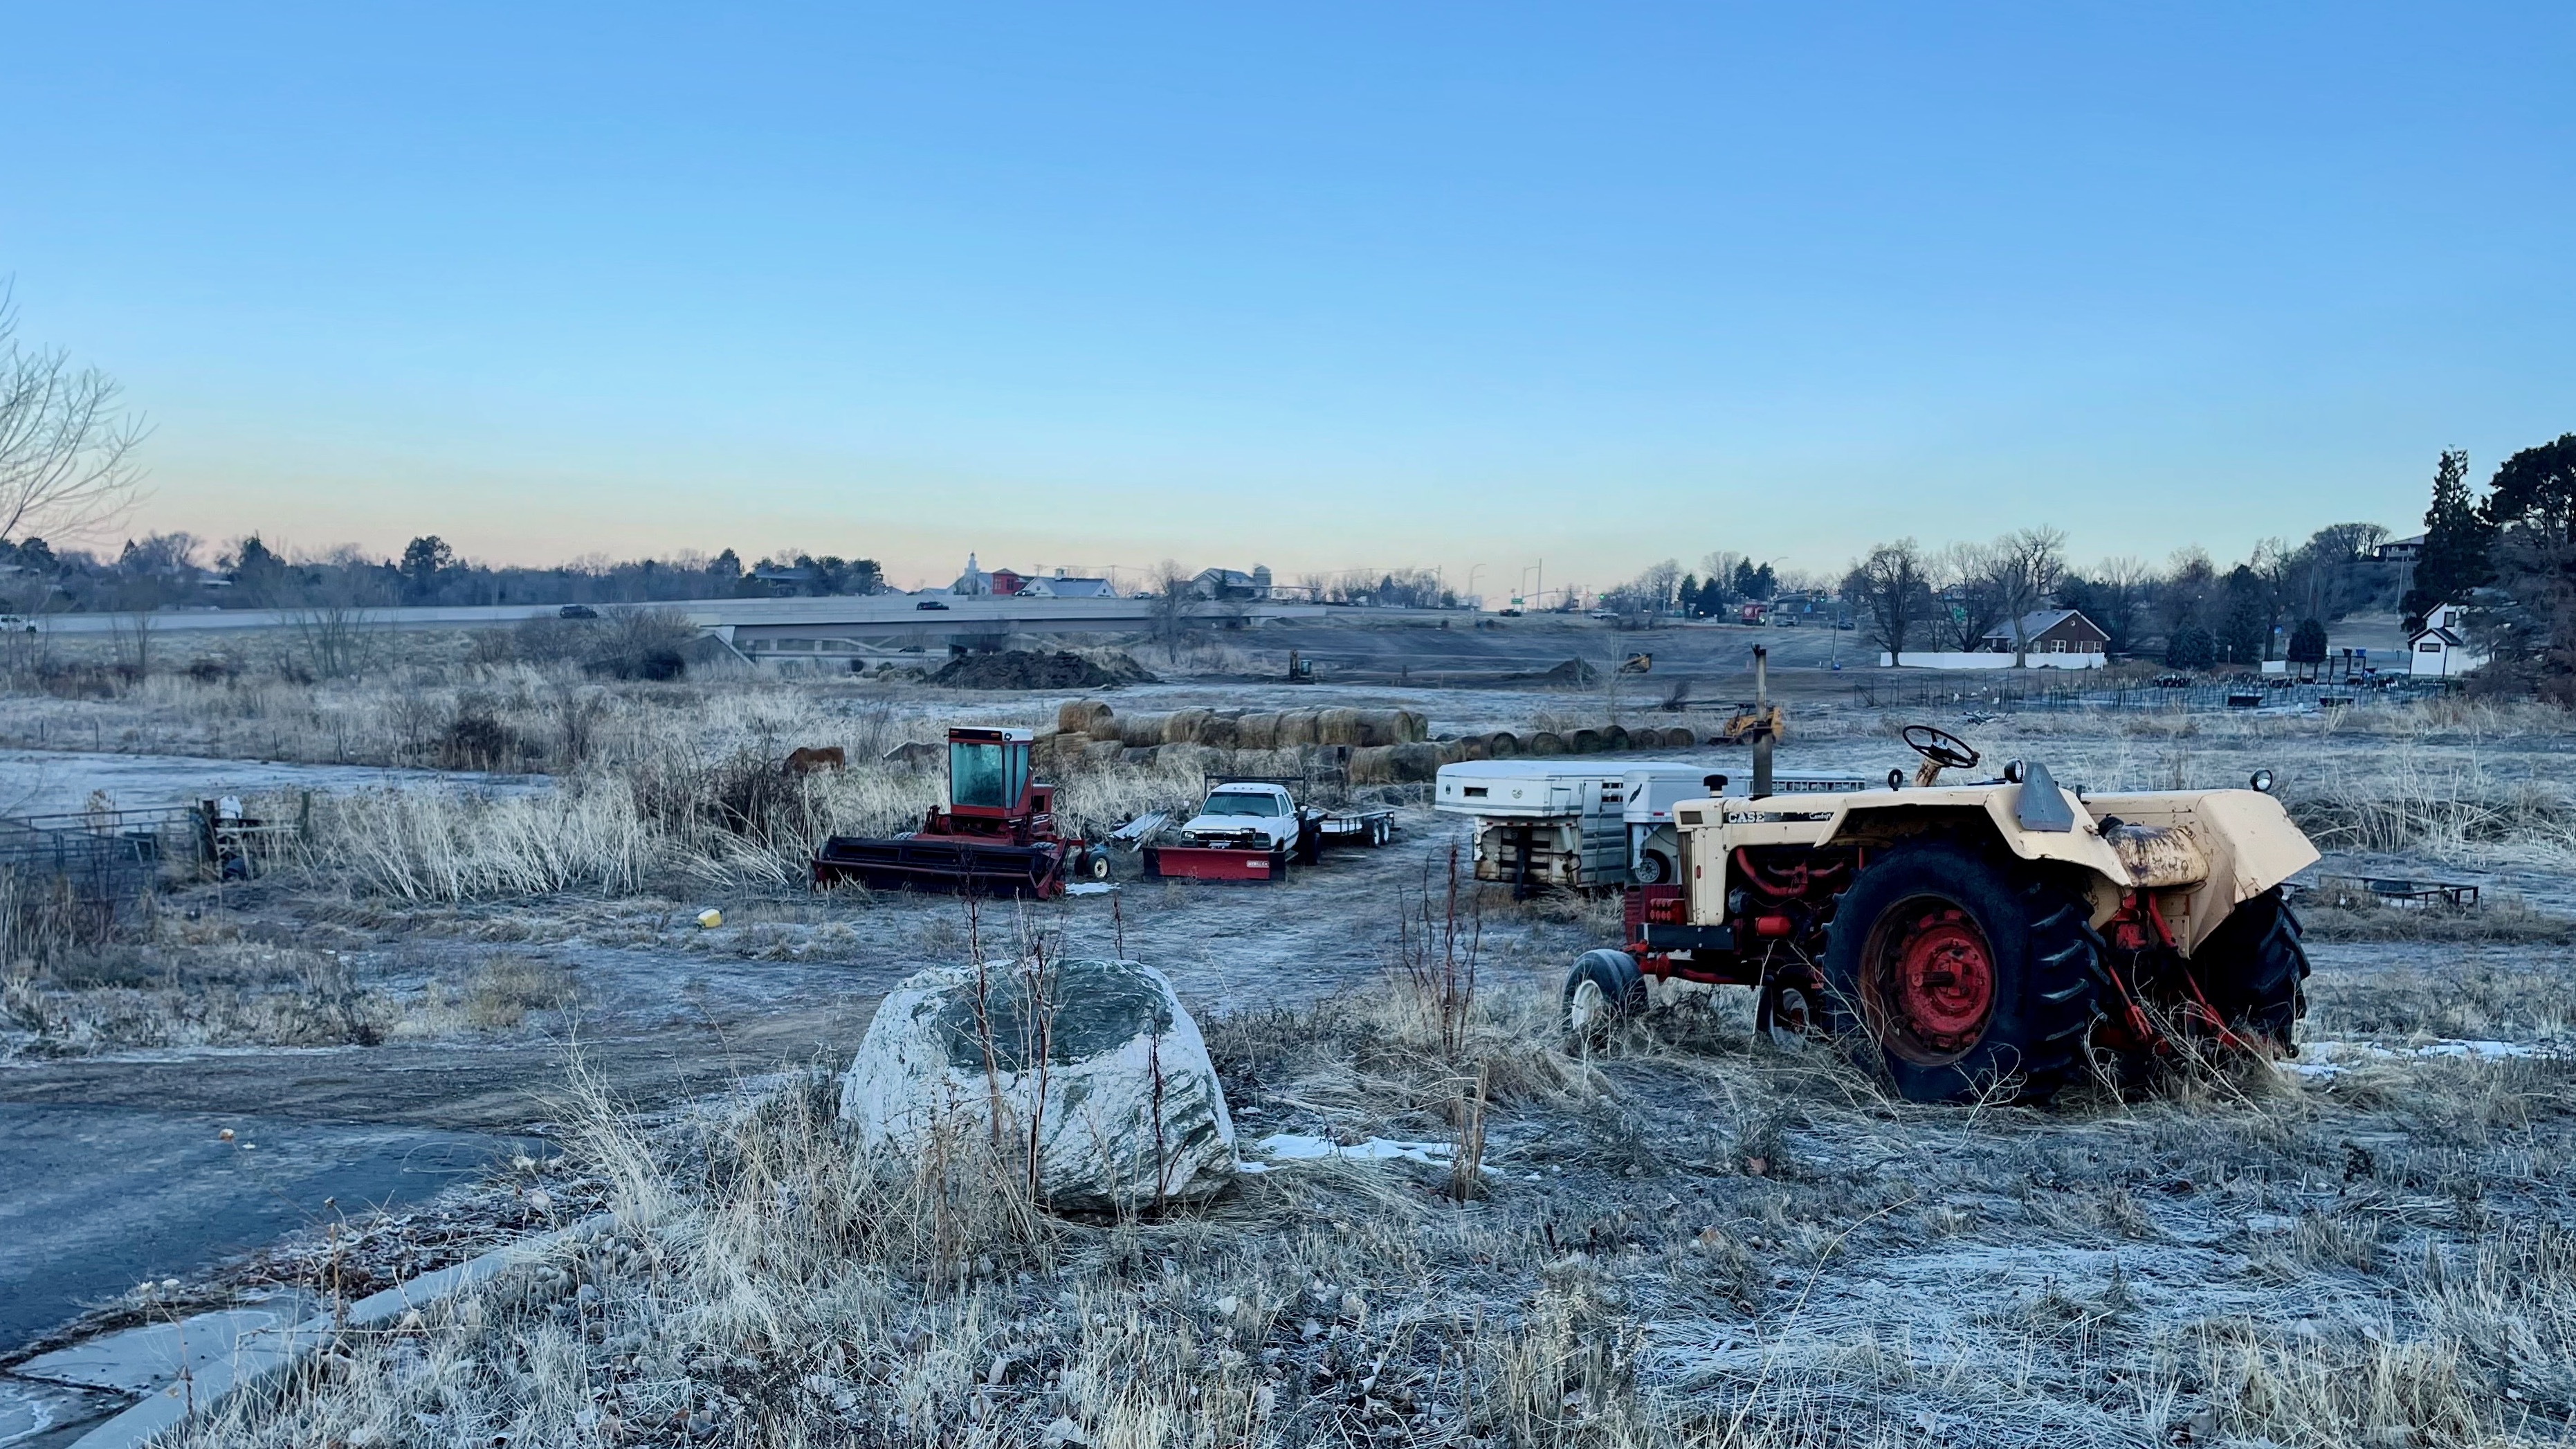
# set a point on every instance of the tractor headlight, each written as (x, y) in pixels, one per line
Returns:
(1896, 779)
(2013, 772)
(2262, 781)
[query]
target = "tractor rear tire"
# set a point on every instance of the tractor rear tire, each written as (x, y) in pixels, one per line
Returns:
(2255, 969)
(1967, 970)
(1600, 988)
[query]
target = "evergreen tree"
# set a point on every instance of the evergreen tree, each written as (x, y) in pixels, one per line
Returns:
(2308, 643)
(2190, 647)
(2458, 541)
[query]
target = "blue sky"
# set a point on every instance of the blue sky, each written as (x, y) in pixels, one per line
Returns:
(1317, 286)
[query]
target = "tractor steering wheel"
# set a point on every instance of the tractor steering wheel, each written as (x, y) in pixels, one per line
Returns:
(1940, 747)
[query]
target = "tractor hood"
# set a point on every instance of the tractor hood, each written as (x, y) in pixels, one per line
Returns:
(2203, 852)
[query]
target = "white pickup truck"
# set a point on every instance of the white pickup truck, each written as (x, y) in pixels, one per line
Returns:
(1252, 830)
(1256, 816)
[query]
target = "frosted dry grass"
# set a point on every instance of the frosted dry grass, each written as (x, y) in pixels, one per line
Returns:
(553, 717)
(1688, 1239)
(675, 818)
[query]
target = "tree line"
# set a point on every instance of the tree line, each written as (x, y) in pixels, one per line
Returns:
(168, 570)
(2193, 614)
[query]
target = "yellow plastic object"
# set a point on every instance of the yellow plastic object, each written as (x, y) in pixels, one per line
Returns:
(711, 918)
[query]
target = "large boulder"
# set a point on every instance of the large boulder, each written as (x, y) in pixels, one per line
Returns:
(1100, 1055)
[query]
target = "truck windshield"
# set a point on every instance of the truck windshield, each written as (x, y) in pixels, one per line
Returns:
(975, 775)
(1223, 804)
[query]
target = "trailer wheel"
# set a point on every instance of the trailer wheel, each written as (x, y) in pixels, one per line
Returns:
(1653, 868)
(1967, 970)
(1096, 864)
(1379, 831)
(2254, 968)
(1602, 987)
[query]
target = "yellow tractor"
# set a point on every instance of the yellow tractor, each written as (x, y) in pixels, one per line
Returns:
(1993, 938)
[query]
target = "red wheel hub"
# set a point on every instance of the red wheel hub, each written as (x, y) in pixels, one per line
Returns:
(1934, 986)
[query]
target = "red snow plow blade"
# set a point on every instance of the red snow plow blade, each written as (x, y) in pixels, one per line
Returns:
(1209, 862)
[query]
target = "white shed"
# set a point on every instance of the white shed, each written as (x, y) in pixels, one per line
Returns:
(2438, 650)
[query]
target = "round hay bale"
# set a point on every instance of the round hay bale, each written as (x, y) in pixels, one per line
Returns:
(1257, 732)
(1101, 754)
(1680, 737)
(1473, 747)
(1372, 765)
(1411, 726)
(1419, 760)
(1182, 726)
(1296, 727)
(1583, 742)
(1082, 717)
(1502, 745)
(1547, 742)
(1338, 727)
(1616, 737)
(1218, 732)
(1139, 732)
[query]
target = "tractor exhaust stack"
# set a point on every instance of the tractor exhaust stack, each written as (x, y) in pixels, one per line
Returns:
(1761, 731)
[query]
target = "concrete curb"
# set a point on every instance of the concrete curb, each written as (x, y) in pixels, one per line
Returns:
(171, 1406)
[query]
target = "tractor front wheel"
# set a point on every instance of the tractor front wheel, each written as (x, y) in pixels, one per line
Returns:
(1969, 972)
(2255, 969)
(1602, 987)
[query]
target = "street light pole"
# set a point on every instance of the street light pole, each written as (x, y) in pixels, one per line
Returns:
(1471, 587)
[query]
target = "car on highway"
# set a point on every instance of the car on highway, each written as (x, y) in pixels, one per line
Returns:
(576, 611)
(16, 624)
(930, 604)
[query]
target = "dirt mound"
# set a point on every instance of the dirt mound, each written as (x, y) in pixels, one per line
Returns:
(1035, 669)
(1573, 672)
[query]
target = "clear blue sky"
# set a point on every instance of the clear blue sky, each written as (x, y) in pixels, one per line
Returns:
(1317, 286)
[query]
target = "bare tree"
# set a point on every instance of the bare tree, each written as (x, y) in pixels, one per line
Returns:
(67, 444)
(1966, 602)
(1172, 593)
(1890, 589)
(1719, 564)
(2028, 566)
(332, 625)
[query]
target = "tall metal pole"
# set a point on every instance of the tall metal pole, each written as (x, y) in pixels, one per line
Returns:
(1761, 722)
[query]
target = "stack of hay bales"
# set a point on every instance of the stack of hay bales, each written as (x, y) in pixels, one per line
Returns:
(1089, 734)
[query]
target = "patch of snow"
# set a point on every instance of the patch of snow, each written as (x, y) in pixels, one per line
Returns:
(1091, 888)
(1298, 1147)
(2325, 1059)
(139, 1360)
